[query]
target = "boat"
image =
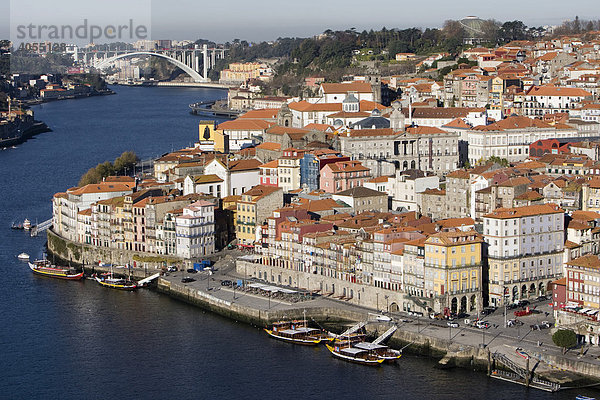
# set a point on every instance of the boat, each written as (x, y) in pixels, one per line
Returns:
(43, 267)
(383, 352)
(23, 256)
(353, 338)
(355, 355)
(109, 281)
(297, 332)
(27, 224)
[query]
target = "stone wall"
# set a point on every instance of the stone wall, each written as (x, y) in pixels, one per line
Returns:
(353, 293)
(78, 253)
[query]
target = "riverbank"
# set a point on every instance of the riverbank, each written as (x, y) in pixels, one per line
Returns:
(37, 128)
(461, 347)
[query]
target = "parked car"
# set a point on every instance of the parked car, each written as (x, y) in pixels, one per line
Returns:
(452, 324)
(226, 282)
(192, 271)
(187, 279)
(482, 324)
(172, 268)
(383, 318)
(546, 324)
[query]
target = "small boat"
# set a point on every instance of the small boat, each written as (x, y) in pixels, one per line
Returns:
(23, 256)
(383, 352)
(582, 397)
(27, 224)
(355, 355)
(297, 332)
(43, 267)
(115, 283)
(16, 227)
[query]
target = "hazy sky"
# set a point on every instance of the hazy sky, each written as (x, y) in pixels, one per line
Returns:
(224, 20)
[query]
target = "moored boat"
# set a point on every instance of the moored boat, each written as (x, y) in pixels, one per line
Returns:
(383, 352)
(355, 355)
(23, 256)
(297, 332)
(115, 283)
(43, 267)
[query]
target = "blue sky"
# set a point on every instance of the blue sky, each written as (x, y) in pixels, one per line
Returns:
(225, 20)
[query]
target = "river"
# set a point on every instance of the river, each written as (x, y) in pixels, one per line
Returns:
(75, 340)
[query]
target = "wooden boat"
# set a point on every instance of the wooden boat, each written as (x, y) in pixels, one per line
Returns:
(297, 332)
(115, 283)
(353, 338)
(355, 355)
(43, 267)
(383, 352)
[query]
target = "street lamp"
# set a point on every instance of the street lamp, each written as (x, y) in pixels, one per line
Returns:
(387, 302)
(377, 295)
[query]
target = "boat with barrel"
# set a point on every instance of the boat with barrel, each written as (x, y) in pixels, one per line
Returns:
(355, 354)
(44, 268)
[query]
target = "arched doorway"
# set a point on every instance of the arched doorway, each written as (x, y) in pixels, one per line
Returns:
(463, 304)
(473, 303)
(454, 305)
(394, 307)
(532, 290)
(541, 289)
(523, 291)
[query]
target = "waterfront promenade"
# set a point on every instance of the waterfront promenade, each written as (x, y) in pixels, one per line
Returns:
(463, 346)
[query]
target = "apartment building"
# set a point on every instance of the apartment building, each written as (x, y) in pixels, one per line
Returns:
(525, 250)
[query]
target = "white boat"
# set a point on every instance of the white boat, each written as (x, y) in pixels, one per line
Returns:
(23, 256)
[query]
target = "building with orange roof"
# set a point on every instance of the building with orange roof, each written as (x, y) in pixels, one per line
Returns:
(195, 230)
(231, 136)
(454, 262)
(337, 92)
(540, 100)
(510, 138)
(237, 175)
(384, 150)
(341, 175)
(65, 208)
(254, 207)
(525, 250)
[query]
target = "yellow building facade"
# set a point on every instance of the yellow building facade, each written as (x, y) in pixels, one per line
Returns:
(453, 271)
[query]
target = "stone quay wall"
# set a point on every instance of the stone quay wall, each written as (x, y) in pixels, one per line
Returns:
(85, 254)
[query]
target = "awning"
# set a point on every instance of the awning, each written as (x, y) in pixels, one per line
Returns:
(352, 350)
(369, 346)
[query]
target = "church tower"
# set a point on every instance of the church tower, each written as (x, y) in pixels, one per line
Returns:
(397, 120)
(284, 116)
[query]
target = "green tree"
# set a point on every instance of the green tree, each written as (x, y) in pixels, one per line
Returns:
(91, 176)
(125, 162)
(564, 338)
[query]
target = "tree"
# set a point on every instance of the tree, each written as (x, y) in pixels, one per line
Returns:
(513, 30)
(564, 338)
(501, 161)
(125, 162)
(453, 30)
(91, 176)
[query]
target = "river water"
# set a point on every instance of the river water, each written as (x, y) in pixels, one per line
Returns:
(75, 340)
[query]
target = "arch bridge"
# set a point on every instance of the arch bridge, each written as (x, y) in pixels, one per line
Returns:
(194, 62)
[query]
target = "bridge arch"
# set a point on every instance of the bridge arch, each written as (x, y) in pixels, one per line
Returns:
(194, 74)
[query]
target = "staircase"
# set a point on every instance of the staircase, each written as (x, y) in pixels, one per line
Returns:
(386, 335)
(41, 227)
(522, 372)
